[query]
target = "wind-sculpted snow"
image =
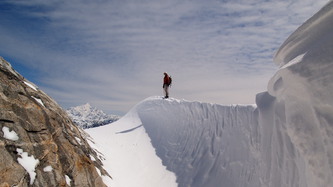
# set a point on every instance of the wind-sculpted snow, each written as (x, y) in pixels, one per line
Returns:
(304, 91)
(204, 144)
(214, 145)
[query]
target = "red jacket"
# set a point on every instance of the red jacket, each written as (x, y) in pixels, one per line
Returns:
(166, 80)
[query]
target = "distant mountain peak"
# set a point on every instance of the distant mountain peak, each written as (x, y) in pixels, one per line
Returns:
(87, 107)
(87, 116)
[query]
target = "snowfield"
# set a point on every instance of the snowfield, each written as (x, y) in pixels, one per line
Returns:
(285, 140)
(130, 157)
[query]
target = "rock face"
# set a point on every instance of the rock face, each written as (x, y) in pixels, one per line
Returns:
(39, 144)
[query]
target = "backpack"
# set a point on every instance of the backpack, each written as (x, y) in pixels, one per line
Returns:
(170, 81)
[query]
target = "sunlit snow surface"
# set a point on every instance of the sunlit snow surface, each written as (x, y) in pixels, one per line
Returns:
(286, 141)
(31, 85)
(39, 101)
(130, 157)
(8, 134)
(29, 163)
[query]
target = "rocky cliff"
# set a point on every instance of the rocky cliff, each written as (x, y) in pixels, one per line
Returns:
(39, 144)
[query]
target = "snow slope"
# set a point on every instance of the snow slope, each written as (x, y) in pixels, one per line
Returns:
(129, 154)
(287, 140)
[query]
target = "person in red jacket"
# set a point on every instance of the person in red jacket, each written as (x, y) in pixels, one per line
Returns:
(166, 84)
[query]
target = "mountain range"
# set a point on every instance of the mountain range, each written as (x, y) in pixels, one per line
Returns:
(87, 116)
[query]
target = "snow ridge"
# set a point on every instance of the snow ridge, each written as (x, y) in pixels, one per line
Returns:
(204, 144)
(212, 145)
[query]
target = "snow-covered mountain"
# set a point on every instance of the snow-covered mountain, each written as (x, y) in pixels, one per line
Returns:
(87, 116)
(286, 140)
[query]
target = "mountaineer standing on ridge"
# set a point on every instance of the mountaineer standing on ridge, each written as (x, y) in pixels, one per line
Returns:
(166, 83)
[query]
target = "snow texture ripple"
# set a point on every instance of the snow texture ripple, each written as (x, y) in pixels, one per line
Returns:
(204, 144)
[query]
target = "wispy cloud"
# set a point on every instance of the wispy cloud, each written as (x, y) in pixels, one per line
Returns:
(113, 53)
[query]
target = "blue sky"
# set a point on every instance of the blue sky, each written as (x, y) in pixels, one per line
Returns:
(112, 54)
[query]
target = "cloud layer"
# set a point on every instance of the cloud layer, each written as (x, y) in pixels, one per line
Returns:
(113, 53)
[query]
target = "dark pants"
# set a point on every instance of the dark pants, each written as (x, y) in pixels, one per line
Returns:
(166, 90)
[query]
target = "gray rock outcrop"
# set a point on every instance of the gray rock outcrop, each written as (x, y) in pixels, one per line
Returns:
(39, 144)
